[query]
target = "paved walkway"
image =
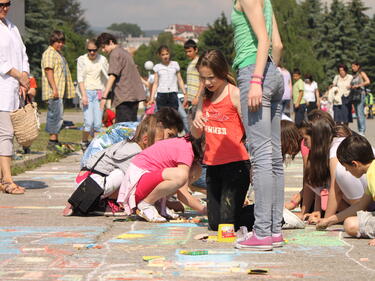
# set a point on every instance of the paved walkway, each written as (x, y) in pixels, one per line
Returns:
(37, 243)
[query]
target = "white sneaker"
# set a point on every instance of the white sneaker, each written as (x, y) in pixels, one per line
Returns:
(292, 221)
(149, 213)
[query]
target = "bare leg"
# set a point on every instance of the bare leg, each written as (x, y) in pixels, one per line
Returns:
(5, 164)
(174, 178)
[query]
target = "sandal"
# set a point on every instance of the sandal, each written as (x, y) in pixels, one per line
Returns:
(12, 188)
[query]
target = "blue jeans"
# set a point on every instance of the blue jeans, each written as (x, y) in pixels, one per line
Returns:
(360, 112)
(184, 116)
(264, 141)
(55, 116)
(92, 114)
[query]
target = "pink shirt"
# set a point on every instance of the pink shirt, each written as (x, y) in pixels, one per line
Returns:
(304, 149)
(167, 153)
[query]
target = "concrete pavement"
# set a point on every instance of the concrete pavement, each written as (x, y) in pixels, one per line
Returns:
(37, 243)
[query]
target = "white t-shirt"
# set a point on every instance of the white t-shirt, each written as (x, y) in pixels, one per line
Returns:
(309, 91)
(352, 187)
(167, 77)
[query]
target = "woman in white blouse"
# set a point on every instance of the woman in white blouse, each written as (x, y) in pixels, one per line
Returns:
(14, 81)
(311, 93)
(342, 81)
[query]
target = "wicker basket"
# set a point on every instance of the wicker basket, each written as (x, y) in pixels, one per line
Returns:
(26, 124)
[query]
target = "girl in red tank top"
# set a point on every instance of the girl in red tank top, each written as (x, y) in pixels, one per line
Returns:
(219, 119)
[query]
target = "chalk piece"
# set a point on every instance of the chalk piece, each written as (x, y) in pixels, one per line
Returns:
(148, 258)
(194, 253)
(201, 236)
(363, 259)
(258, 271)
(130, 236)
(79, 246)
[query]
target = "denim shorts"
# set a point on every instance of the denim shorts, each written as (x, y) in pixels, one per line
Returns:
(55, 116)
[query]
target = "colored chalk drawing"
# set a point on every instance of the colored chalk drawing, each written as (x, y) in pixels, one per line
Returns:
(315, 238)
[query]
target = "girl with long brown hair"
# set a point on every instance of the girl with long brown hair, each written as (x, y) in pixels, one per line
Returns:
(323, 170)
(219, 119)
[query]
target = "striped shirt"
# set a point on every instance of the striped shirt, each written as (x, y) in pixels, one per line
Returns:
(63, 79)
(192, 79)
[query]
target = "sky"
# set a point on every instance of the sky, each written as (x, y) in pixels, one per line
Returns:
(158, 14)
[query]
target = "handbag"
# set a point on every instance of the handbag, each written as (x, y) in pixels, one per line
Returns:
(355, 95)
(25, 122)
(87, 196)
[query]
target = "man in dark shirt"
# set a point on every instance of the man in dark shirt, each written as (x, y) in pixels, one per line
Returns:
(123, 78)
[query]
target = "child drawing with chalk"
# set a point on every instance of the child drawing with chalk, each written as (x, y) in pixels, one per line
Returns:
(219, 119)
(357, 156)
(157, 172)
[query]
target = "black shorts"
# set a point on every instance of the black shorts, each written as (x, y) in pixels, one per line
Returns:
(167, 100)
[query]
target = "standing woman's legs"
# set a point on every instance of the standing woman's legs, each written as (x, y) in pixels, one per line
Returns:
(258, 133)
(6, 151)
(97, 114)
(360, 112)
(278, 169)
(263, 137)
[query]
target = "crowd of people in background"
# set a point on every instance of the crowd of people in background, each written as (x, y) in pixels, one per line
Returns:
(225, 131)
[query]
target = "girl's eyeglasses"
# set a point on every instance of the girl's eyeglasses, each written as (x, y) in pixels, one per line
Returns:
(92, 50)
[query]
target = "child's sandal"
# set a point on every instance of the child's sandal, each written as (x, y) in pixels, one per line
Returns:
(12, 188)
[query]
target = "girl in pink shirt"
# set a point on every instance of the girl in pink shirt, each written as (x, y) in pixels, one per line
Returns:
(158, 171)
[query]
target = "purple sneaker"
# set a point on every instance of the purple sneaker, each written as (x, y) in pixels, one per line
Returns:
(277, 240)
(255, 243)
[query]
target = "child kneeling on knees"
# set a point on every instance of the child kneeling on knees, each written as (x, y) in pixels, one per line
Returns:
(356, 155)
(157, 172)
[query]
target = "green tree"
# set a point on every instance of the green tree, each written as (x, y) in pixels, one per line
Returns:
(70, 11)
(338, 43)
(39, 22)
(312, 10)
(357, 11)
(219, 36)
(369, 52)
(126, 29)
(299, 50)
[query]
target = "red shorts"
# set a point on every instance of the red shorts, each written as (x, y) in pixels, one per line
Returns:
(147, 184)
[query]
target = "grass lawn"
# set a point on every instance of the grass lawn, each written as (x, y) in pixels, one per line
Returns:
(40, 144)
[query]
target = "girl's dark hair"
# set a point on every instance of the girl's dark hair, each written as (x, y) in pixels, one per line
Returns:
(197, 147)
(355, 148)
(215, 60)
(170, 118)
(321, 129)
(290, 139)
(56, 36)
(309, 76)
(105, 39)
(357, 64)
(163, 48)
(343, 66)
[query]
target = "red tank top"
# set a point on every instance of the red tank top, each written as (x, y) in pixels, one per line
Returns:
(223, 132)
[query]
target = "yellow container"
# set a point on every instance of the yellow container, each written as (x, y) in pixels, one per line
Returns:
(226, 233)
